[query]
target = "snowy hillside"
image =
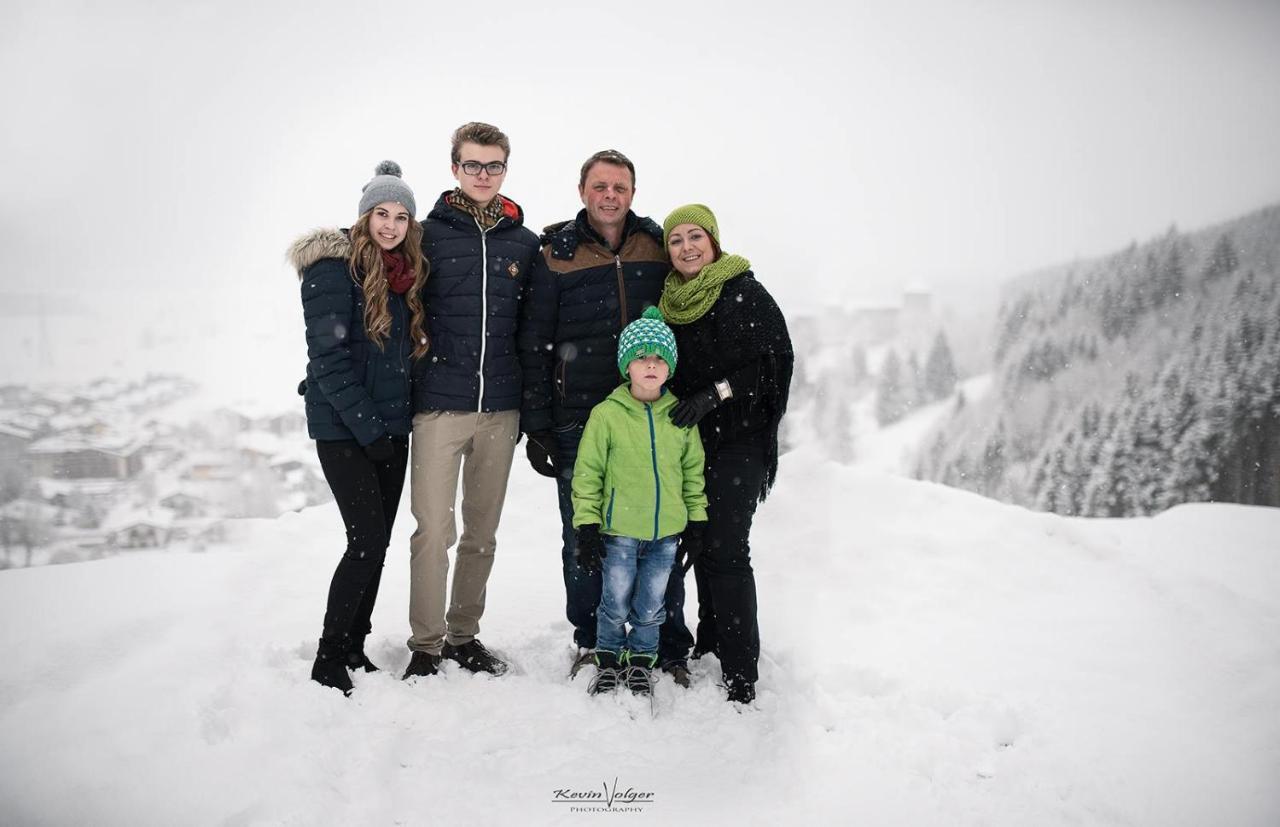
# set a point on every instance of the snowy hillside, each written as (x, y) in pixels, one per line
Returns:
(931, 658)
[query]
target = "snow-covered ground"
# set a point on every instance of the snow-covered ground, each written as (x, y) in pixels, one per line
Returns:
(930, 658)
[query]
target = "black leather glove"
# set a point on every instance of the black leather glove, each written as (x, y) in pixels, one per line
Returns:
(381, 449)
(691, 543)
(590, 551)
(689, 412)
(541, 451)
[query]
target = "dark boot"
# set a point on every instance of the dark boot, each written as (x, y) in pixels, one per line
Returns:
(679, 672)
(638, 676)
(473, 657)
(607, 674)
(356, 659)
(741, 691)
(330, 668)
(421, 665)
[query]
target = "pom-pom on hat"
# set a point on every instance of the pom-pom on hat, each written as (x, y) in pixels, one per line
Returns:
(387, 185)
(699, 214)
(647, 335)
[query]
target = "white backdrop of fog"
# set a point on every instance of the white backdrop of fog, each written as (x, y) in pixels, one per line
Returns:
(158, 157)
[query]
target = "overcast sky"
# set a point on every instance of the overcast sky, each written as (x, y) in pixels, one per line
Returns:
(152, 146)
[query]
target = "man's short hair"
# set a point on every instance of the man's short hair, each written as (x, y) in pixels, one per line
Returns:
(479, 133)
(607, 156)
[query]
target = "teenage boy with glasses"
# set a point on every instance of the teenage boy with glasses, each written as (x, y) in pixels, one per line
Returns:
(595, 275)
(466, 399)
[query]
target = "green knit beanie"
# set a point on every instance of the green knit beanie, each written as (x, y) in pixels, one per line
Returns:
(647, 335)
(699, 214)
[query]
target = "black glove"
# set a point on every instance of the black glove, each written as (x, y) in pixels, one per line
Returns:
(691, 542)
(541, 451)
(302, 388)
(590, 552)
(689, 412)
(381, 449)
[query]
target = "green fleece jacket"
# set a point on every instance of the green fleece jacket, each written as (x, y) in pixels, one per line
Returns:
(637, 474)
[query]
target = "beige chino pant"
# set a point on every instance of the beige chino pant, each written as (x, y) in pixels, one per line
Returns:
(481, 445)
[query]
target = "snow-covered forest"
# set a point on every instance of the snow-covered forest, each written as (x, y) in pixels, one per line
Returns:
(1128, 384)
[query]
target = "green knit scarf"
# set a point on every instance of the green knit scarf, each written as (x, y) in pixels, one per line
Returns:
(683, 301)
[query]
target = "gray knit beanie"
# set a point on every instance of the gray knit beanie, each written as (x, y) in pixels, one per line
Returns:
(387, 185)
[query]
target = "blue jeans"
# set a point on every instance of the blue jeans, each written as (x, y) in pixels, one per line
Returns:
(582, 588)
(634, 591)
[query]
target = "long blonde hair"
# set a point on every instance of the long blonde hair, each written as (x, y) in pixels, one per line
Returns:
(366, 258)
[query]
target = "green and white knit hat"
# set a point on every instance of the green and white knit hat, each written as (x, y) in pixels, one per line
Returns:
(699, 214)
(647, 335)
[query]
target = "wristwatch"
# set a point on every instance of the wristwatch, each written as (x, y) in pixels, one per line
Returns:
(723, 390)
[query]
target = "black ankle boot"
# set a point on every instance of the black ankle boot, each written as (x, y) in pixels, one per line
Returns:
(356, 658)
(330, 668)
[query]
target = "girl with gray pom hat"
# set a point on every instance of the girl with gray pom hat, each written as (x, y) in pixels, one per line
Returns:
(362, 300)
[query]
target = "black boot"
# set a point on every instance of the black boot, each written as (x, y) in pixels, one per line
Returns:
(607, 674)
(356, 659)
(638, 675)
(741, 691)
(330, 668)
(421, 665)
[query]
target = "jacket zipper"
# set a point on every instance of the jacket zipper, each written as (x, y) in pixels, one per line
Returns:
(657, 483)
(484, 303)
(622, 290)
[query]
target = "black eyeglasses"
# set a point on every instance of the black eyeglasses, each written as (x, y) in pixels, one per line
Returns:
(493, 167)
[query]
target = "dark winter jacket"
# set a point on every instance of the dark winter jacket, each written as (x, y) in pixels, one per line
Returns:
(472, 299)
(742, 338)
(581, 295)
(354, 389)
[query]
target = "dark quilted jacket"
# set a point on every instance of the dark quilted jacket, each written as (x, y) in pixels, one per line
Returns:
(354, 390)
(472, 300)
(580, 297)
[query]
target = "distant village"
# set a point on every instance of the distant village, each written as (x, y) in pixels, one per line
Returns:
(113, 466)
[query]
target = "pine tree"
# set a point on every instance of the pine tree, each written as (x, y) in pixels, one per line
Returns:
(1223, 260)
(891, 395)
(940, 375)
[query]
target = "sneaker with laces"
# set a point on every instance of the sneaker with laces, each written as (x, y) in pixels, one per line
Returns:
(421, 665)
(473, 657)
(607, 674)
(638, 676)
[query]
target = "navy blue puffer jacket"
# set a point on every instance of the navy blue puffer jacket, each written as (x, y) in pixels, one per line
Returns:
(354, 389)
(472, 300)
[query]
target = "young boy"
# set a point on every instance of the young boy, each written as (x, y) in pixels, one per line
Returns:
(637, 484)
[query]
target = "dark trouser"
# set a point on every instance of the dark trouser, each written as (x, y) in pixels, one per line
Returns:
(727, 623)
(368, 494)
(582, 588)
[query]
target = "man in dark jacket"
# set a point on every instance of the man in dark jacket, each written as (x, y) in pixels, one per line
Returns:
(594, 276)
(466, 399)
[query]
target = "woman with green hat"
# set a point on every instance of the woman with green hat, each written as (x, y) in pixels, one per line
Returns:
(735, 373)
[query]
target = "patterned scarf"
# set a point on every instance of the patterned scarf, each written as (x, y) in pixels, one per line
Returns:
(487, 216)
(683, 301)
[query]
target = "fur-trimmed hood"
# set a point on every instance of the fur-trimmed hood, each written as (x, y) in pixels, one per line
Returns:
(321, 243)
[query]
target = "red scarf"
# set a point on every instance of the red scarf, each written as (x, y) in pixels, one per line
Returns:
(399, 276)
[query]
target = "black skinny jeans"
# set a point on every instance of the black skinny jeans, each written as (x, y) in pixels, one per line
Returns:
(727, 623)
(368, 494)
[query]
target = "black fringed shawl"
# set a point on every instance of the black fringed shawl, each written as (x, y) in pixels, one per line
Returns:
(743, 337)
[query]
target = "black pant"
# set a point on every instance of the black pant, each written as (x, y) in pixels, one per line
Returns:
(368, 494)
(727, 623)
